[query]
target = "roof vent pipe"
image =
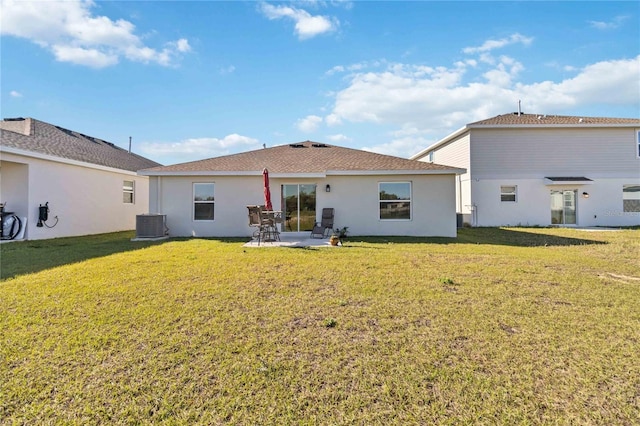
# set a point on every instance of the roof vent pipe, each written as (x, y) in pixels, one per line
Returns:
(129, 144)
(519, 108)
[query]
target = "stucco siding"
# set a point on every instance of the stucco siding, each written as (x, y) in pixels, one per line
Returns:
(14, 186)
(602, 207)
(354, 198)
(591, 152)
(86, 200)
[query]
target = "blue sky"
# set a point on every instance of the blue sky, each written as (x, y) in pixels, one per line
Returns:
(199, 79)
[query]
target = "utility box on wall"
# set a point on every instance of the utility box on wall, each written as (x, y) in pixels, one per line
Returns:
(150, 225)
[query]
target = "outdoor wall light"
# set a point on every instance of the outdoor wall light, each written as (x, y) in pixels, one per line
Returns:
(327, 188)
(585, 194)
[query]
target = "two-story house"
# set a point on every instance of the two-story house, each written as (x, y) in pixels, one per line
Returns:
(541, 170)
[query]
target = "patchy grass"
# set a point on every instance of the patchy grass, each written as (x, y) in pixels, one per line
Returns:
(499, 326)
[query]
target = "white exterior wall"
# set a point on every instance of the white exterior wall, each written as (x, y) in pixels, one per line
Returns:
(354, 198)
(14, 187)
(524, 157)
(603, 207)
(86, 199)
(607, 156)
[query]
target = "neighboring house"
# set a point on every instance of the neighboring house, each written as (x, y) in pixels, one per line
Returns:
(91, 186)
(531, 169)
(372, 194)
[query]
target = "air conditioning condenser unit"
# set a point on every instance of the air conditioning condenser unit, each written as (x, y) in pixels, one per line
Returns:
(150, 225)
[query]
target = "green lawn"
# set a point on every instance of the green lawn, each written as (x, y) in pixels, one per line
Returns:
(499, 326)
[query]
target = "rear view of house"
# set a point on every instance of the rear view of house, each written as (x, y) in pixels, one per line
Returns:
(371, 194)
(534, 169)
(84, 184)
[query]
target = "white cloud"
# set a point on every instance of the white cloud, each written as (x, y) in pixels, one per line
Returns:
(425, 103)
(355, 67)
(399, 147)
(309, 124)
(611, 25)
(336, 69)
(339, 138)
(227, 70)
(333, 120)
(306, 25)
(503, 74)
(490, 45)
(182, 45)
(15, 94)
(73, 34)
(608, 82)
(82, 56)
(198, 148)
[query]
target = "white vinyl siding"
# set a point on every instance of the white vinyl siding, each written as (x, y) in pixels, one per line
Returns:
(553, 152)
(455, 154)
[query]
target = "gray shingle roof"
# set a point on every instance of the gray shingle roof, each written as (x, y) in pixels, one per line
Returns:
(303, 157)
(37, 136)
(543, 119)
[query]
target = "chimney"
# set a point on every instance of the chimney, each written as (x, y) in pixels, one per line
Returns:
(17, 125)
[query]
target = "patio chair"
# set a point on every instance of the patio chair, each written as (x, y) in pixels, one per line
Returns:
(255, 221)
(270, 221)
(321, 229)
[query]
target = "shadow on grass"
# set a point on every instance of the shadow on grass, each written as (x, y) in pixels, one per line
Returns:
(493, 236)
(25, 257)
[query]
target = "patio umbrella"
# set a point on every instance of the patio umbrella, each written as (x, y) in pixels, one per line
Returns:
(267, 191)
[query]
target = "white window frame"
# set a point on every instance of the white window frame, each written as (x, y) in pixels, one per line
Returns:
(129, 189)
(196, 202)
(410, 201)
(626, 196)
(504, 193)
(637, 143)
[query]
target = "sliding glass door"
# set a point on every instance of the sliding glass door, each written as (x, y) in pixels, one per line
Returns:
(299, 203)
(563, 207)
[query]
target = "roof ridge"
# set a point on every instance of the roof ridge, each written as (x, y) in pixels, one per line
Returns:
(521, 118)
(306, 158)
(50, 139)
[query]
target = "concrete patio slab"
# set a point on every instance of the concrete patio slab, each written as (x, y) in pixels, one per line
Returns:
(294, 241)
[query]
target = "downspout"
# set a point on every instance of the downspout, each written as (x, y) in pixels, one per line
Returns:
(158, 206)
(459, 183)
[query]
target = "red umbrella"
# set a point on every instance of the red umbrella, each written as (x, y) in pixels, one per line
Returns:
(267, 191)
